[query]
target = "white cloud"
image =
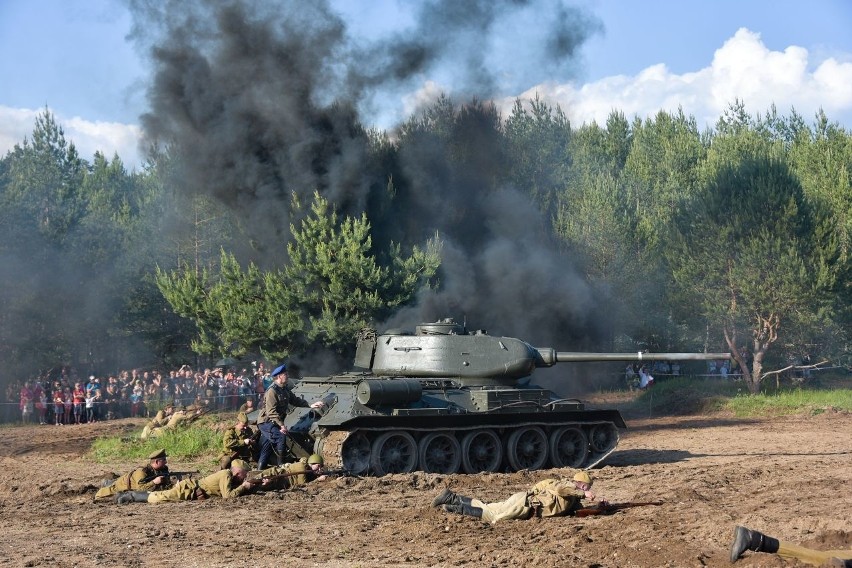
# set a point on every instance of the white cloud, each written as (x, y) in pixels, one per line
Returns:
(107, 137)
(743, 68)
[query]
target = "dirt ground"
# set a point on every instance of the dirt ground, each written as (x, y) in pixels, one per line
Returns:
(786, 476)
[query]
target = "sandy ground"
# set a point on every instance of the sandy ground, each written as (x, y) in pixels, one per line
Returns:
(786, 476)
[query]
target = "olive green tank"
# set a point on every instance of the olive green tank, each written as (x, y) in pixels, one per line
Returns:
(445, 400)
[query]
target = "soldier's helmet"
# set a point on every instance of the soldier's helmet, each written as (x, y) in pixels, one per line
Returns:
(583, 477)
(315, 458)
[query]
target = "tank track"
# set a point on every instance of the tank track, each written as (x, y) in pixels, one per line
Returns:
(531, 445)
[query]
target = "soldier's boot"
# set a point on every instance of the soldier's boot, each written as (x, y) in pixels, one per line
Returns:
(463, 509)
(132, 497)
(745, 539)
(446, 497)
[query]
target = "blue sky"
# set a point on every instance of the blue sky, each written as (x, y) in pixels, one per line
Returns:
(74, 57)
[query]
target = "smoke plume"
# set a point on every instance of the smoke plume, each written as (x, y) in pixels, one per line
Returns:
(267, 99)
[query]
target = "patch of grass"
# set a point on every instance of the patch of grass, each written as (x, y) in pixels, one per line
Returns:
(793, 401)
(196, 442)
(692, 395)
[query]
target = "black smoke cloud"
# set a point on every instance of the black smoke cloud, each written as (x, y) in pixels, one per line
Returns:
(265, 99)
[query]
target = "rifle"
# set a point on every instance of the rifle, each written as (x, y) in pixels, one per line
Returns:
(611, 508)
(178, 474)
(255, 477)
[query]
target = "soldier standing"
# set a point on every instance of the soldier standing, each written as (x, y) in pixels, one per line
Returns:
(276, 402)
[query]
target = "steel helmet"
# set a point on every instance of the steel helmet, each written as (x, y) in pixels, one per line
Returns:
(315, 458)
(583, 477)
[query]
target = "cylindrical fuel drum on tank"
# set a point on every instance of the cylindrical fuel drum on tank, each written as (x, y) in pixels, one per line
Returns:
(389, 391)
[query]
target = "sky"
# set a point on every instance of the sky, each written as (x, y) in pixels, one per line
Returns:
(77, 58)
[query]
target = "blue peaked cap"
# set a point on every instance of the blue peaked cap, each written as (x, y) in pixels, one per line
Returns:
(278, 370)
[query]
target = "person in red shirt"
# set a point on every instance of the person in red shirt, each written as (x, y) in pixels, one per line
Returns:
(79, 398)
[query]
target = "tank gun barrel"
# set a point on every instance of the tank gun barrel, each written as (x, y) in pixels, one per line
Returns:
(550, 357)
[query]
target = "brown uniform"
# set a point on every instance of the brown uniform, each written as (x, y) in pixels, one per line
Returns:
(140, 479)
(219, 484)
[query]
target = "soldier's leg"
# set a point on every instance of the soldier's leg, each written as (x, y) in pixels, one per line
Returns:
(265, 446)
(515, 507)
(132, 497)
(810, 556)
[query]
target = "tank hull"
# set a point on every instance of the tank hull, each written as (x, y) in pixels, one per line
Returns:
(379, 426)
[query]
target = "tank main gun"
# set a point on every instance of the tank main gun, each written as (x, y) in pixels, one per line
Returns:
(550, 357)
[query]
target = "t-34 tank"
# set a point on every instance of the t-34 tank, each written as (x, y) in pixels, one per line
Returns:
(445, 400)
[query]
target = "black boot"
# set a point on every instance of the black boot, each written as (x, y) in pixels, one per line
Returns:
(132, 497)
(467, 509)
(446, 497)
(745, 539)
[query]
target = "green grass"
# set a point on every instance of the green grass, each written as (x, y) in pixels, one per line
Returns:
(692, 395)
(794, 401)
(196, 442)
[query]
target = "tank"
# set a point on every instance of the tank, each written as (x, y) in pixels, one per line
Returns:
(445, 400)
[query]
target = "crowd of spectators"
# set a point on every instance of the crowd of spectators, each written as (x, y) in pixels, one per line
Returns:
(67, 399)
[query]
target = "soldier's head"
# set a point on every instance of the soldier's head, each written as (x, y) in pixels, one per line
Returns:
(158, 459)
(583, 481)
(240, 469)
(242, 420)
(315, 462)
(279, 373)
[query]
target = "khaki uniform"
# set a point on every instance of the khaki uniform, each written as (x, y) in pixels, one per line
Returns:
(133, 481)
(294, 474)
(235, 446)
(547, 498)
(810, 556)
(156, 422)
(218, 484)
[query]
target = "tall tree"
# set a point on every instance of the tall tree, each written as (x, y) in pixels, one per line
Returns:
(750, 255)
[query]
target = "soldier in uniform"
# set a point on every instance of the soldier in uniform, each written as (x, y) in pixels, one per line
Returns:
(157, 421)
(276, 402)
(225, 483)
(178, 418)
(151, 477)
(747, 539)
(287, 476)
(548, 498)
(239, 443)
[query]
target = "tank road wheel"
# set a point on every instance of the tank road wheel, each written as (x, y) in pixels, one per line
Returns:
(603, 437)
(526, 448)
(439, 452)
(394, 452)
(355, 453)
(481, 450)
(568, 447)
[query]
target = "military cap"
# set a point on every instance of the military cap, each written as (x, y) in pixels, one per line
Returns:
(583, 477)
(241, 417)
(278, 370)
(240, 464)
(315, 458)
(159, 454)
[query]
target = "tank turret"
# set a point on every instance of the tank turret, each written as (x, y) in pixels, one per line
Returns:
(445, 400)
(445, 349)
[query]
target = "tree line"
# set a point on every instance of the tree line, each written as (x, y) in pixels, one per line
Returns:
(735, 237)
